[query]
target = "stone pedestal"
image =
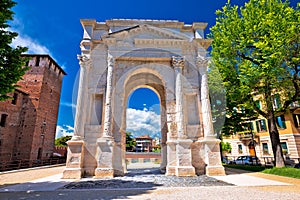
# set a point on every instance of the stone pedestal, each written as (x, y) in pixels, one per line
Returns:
(184, 158)
(213, 158)
(74, 162)
(104, 158)
(171, 159)
(163, 164)
(198, 157)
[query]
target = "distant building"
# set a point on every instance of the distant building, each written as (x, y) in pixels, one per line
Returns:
(144, 143)
(255, 140)
(28, 121)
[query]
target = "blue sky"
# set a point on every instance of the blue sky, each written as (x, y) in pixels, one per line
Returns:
(53, 27)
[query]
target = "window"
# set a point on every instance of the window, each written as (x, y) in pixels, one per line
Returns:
(3, 120)
(284, 147)
(265, 148)
(15, 98)
(296, 118)
(39, 156)
(258, 104)
(280, 121)
(240, 148)
(37, 61)
(261, 125)
(276, 101)
(248, 126)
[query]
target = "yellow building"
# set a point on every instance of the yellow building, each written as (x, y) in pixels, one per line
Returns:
(289, 131)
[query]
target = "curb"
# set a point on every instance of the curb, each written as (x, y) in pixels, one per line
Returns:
(32, 168)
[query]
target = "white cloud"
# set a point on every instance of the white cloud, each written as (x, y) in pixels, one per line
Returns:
(142, 122)
(64, 130)
(67, 104)
(33, 46)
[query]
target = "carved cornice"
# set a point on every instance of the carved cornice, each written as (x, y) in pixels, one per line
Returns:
(159, 42)
(205, 43)
(178, 61)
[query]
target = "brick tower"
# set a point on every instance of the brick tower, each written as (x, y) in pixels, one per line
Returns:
(28, 121)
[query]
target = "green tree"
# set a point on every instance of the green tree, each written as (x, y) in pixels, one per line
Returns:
(11, 63)
(130, 142)
(225, 146)
(62, 141)
(256, 49)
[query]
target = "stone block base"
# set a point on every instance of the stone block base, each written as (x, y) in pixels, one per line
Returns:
(72, 173)
(119, 173)
(171, 171)
(89, 171)
(162, 170)
(215, 171)
(104, 173)
(185, 171)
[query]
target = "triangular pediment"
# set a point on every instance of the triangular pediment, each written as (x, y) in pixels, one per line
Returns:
(145, 31)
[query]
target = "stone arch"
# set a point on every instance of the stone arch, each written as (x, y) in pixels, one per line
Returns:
(166, 56)
(140, 76)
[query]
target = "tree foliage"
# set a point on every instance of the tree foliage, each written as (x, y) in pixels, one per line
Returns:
(256, 50)
(11, 64)
(130, 142)
(62, 141)
(226, 146)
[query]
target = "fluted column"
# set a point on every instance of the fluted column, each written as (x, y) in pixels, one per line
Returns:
(108, 97)
(178, 64)
(106, 143)
(74, 163)
(183, 144)
(209, 149)
(204, 96)
(84, 63)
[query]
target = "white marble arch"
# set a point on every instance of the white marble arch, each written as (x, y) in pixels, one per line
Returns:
(119, 56)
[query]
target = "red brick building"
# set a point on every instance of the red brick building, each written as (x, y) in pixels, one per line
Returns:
(143, 143)
(28, 121)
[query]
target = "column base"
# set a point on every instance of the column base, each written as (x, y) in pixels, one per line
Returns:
(104, 173)
(185, 171)
(215, 171)
(171, 171)
(119, 173)
(213, 157)
(72, 173)
(162, 169)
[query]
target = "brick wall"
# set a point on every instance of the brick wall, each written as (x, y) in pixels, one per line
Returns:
(31, 123)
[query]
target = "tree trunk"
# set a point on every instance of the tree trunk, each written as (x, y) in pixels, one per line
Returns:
(275, 140)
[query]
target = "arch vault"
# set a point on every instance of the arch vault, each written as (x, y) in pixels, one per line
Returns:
(119, 56)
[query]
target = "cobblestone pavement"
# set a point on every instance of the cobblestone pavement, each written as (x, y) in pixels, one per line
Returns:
(145, 178)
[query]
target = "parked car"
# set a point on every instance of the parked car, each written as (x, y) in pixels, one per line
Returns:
(246, 160)
(226, 160)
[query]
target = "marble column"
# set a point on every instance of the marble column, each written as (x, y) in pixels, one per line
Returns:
(210, 144)
(183, 144)
(178, 64)
(74, 164)
(108, 98)
(104, 156)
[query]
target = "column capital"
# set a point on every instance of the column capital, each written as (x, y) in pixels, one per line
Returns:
(110, 59)
(202, 61)
(178, 61)
(84, 61)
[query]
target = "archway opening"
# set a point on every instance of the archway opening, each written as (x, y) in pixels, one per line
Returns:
(143, 129)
